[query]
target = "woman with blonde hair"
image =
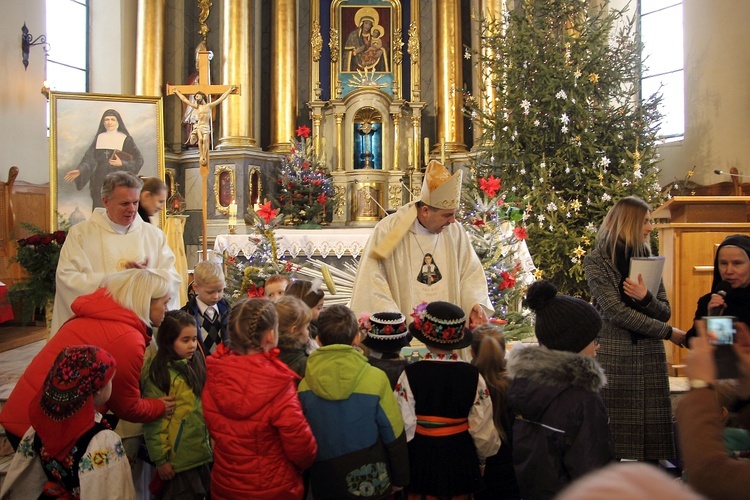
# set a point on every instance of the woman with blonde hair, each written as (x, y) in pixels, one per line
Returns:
(118, 318)
(635, 323)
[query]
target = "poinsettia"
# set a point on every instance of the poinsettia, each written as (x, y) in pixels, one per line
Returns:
(490, 186)
(266, 212)
(303, 131)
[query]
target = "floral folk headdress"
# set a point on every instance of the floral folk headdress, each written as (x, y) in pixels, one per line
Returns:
(440, 325)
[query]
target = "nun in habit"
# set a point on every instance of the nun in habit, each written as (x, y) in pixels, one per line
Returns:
(112, 149)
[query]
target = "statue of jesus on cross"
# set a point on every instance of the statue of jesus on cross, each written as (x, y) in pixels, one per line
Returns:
(201, 132)
(202, 128)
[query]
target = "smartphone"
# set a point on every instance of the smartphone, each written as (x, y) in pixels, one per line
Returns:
(720, 330)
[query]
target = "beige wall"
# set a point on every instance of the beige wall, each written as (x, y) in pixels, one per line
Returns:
(717, 73)
(23, 109)
(23, 129)
(717, 93)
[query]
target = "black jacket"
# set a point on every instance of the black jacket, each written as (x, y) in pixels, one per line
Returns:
(561, 428)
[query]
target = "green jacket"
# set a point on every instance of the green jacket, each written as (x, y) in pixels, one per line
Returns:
(183, 439)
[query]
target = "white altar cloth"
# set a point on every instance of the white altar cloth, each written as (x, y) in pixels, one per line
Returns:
(318, 242)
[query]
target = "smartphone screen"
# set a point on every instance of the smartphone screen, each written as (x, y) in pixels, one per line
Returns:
(720, 329)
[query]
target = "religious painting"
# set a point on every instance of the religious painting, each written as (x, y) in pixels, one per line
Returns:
(92, 135)
(224, 190)
(366, 33)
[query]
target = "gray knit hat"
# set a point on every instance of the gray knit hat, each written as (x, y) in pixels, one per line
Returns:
(563, 323)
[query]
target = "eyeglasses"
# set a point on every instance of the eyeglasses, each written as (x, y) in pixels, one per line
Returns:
(596, 340)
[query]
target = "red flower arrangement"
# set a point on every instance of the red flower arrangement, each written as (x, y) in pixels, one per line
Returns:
(38, 255)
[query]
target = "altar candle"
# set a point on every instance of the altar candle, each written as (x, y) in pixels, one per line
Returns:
(442, 150)
(410, 152)
(233, 214)
(426, 150)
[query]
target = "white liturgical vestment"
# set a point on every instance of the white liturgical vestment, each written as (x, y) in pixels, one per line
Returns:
(94, 250)
(400, 282)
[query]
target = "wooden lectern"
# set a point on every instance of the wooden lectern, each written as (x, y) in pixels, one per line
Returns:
(690, 229)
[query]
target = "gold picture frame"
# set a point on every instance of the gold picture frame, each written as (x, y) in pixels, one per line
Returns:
(224, 187)
(80, 159)
(254, 187)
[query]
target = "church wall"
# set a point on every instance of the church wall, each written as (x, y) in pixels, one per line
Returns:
(717, 93)
(112, 27)
(23, 109)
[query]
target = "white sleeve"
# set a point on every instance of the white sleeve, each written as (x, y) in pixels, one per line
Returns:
(104, 471)
(25, 477)
(481, 424)
(405, 400)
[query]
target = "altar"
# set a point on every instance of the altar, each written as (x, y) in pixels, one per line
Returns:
(323, 243)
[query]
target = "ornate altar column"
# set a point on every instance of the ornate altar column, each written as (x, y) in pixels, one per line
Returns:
(283, 73)
(449, 79)
(150, 48)
(482, 88)
(236, 129)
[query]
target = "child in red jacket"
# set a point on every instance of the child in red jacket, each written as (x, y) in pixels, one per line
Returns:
(262, 441)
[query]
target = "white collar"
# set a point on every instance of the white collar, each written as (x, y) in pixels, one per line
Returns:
(202, 306)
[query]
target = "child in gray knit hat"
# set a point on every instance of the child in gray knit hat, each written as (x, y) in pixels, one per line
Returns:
(561, 429)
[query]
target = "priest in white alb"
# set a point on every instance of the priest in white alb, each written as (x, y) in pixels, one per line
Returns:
(419, 255)
(113, 239)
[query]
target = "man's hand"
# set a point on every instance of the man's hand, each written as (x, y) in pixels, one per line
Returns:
(477, 317)
(137, 265)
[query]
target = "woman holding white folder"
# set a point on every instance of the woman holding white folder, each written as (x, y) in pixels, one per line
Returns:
(634, 324)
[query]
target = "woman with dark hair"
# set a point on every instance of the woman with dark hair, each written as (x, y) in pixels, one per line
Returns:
(113, 148)
(634, 326)
(732, 276)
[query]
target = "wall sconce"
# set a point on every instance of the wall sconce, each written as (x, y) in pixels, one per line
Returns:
(28, 41)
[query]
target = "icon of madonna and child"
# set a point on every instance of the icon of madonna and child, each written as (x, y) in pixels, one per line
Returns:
(366, 46)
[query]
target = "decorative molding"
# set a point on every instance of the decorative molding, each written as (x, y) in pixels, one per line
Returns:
(221, 173)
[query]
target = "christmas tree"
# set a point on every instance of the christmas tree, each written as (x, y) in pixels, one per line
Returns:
(305, 187)
(247, 278)
(497, 233)
(564, 126)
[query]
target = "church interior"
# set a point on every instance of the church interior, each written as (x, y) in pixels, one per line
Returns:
(372, 118)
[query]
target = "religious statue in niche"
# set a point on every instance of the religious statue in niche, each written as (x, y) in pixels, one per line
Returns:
(366, 46)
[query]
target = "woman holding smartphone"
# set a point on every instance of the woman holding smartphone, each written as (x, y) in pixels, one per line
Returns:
(634, 325)
(731, 279)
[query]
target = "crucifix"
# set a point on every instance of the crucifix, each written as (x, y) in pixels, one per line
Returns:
(201, 131)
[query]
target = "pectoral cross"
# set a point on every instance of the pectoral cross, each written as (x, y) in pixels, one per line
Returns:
(202, 129)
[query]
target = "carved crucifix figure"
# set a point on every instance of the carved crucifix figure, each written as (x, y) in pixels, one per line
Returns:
(202, 129)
